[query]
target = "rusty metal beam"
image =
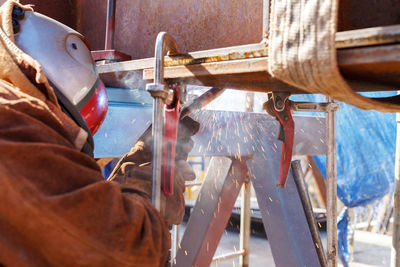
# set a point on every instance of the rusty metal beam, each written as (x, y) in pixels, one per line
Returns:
(365, 68)
(368, 59)
(347, 39)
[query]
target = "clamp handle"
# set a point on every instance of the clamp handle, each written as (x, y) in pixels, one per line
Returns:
(286, 135)
(171, 121)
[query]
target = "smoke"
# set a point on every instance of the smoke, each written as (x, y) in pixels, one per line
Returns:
(132, 79)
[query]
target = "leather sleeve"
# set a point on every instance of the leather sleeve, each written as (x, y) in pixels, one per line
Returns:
(55, 206)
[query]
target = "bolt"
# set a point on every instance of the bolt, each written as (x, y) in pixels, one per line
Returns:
(278, 103)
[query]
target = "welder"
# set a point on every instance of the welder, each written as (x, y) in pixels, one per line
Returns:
(56, 208)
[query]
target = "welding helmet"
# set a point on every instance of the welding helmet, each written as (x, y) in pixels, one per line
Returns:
(66, 60)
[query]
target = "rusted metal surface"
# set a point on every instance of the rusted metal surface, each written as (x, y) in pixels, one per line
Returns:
(197, 25)
(110, 55)
(368, 68)
(378, 66)
(368, 37)
(207, 56)
(355, 14)
(348, 39)
(60, 10)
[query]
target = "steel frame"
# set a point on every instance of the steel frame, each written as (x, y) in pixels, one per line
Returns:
(247, 65)
(281, 204)
(238, 135)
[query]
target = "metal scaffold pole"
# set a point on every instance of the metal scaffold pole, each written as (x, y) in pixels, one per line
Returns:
(395, 257)
(245, 208)
(331, 188)
(245, 221)
(110, 25)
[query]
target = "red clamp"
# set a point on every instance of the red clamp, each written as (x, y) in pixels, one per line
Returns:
(286, 135)
(172, 114)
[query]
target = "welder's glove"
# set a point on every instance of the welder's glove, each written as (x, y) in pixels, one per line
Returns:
(133, 171)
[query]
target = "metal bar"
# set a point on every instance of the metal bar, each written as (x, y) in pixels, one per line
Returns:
(245, 223)
(313, 106)
(157, 132)
(282, 213)
(252, 74)
(211, 139)
(164, 42)
(189, 184)
(211, 213)
(78, 16)
(369, 37)
(245, 217)
(201, 101)
(175, 242)
(266, 4)
(110, 25)
(318, 179)
(228, 256)
(331, 212)
(305, 200)
(395, 254)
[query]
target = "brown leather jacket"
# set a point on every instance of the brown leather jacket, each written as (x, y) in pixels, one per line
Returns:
(55, 206)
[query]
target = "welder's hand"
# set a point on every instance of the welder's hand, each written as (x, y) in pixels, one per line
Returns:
(133, 171)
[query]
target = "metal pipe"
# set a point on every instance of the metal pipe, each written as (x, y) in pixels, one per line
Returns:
(266, 4)
(395, 254)
(110, 25)
(331, 188)
(164, 43)
(78, 16)
(228, 256)
(308, 211)
(245, 209)
(245, 223)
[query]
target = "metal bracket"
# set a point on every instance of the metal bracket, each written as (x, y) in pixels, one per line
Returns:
(279, 100)
(160, 91)
(314, 107)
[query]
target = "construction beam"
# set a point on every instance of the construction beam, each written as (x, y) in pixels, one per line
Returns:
(368, 59)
